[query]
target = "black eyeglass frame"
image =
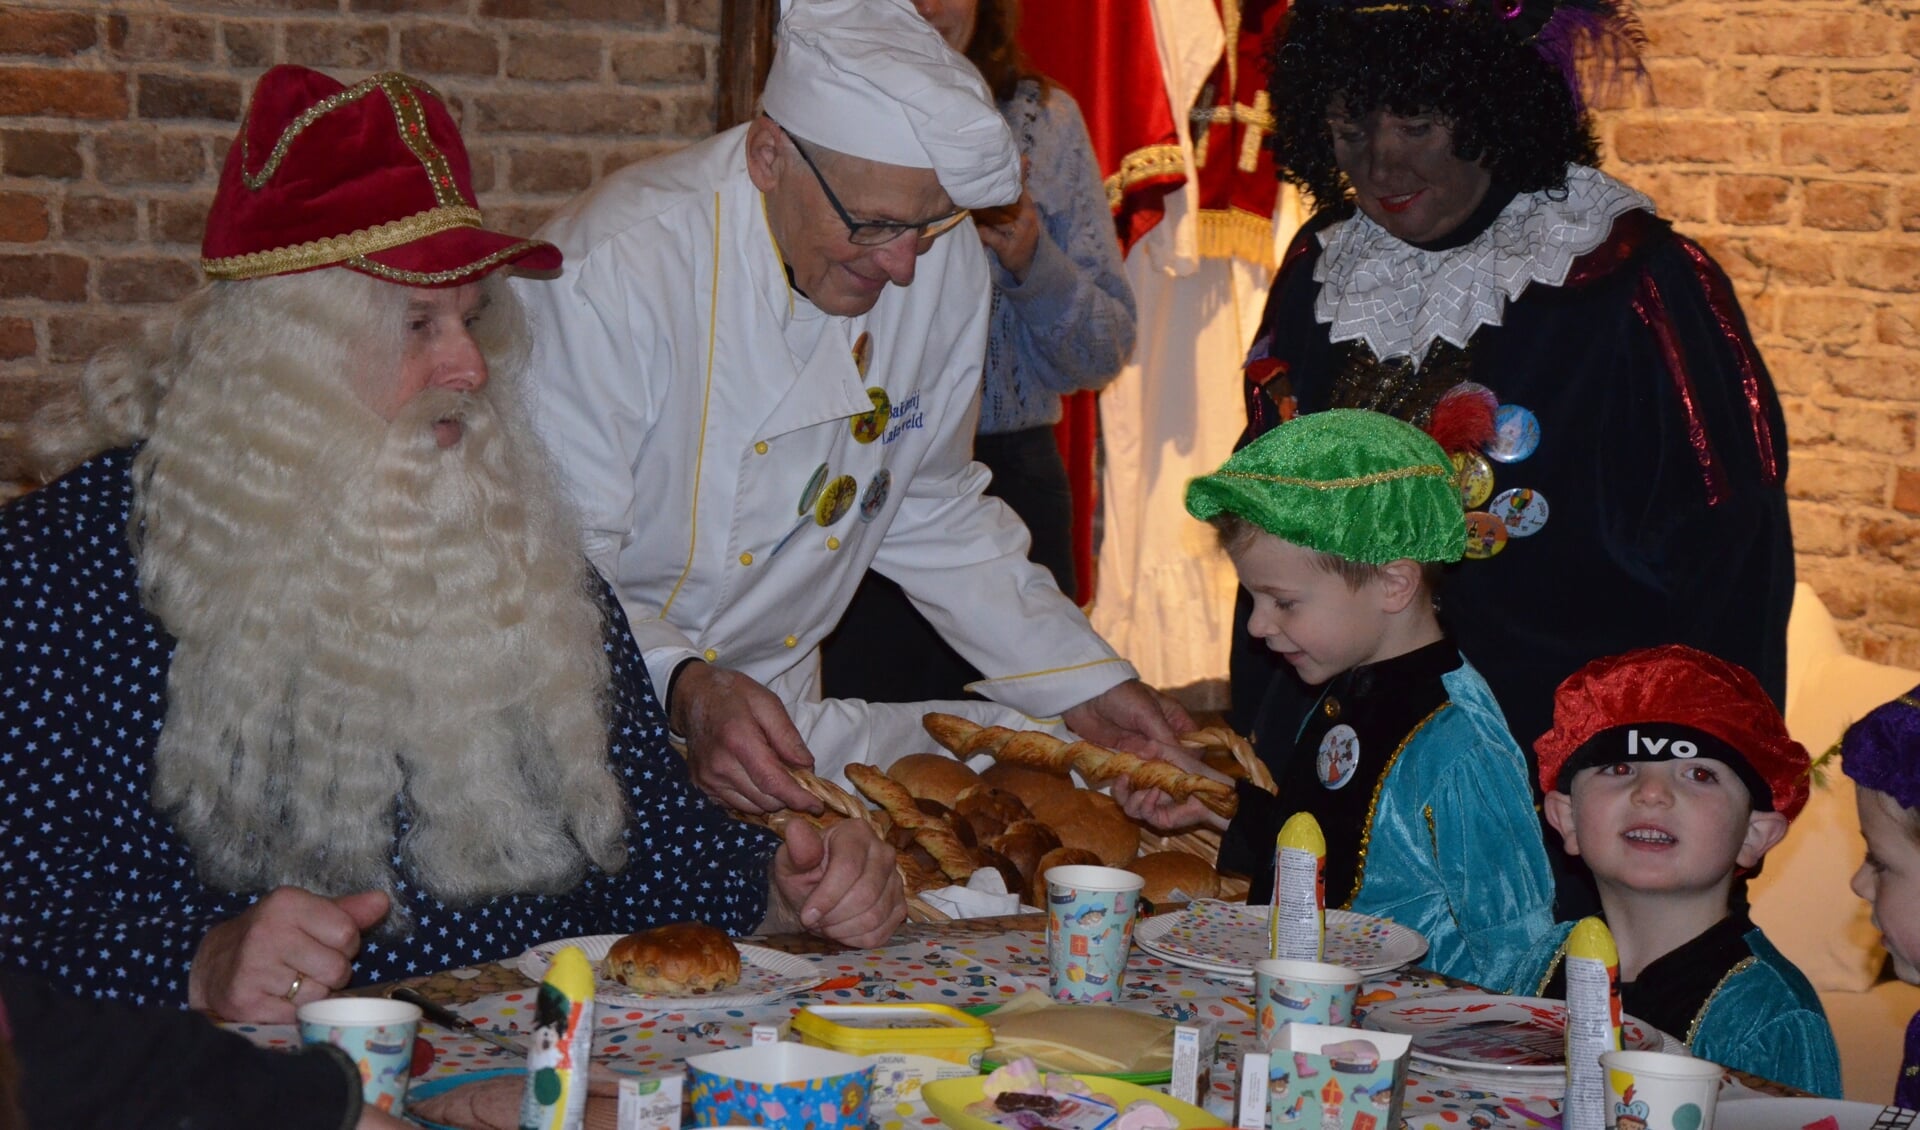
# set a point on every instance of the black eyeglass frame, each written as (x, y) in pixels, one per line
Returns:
(872, 233)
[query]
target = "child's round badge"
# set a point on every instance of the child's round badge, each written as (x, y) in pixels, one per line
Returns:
(1522, 510)
(1516, 434)
(1339, 757)
(1474, 475)
(1486, 535)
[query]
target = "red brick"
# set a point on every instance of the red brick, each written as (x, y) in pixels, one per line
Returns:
(1683, 197)
(1833, 319)
(1897, 324)
(1791, 30)
(179, 219)
(172, 39)
(21, 397)
(1891, 651)
(188, 96)
(1820, 529)
(23, 218)
(56, 278)
(483, 169)
(628, 13)
(542, 171)
(39, 153)
(56, 35)
(1844, 206)
(554, 58)
(1847, 148)
(147, 280)
(1875, 430)
(701, 15)
(621, 156)
(35, 91)
(76, 337)
(1887, 267)
(617, 113)
(1835, 480)
(17, 339)
(1871, 92)
(1810, 426)
(1672, 84)
(1760, 261)
(1907, 208)
(660, 60)
(1697, 141)
(1796, 371)
(446, 49)
(1873, 378)
(693, 116)
(1906, 490)
(141, 156)
(250, 45)
(333, 45)
(412, 7)
(1753, 200)
(99, 219)
(1894, 541)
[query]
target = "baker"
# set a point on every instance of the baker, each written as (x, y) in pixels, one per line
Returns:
(760, 371)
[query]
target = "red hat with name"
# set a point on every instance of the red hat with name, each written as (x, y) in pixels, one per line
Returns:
(372, 177)
(1673, 702)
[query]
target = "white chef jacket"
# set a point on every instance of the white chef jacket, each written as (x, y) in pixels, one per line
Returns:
(692, 397)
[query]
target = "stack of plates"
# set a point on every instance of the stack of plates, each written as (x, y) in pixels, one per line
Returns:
(1486, 1042)
(1227, 938)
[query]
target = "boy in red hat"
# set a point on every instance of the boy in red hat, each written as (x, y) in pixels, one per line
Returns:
(1670, 772)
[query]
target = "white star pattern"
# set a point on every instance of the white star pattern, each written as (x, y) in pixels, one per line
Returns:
(97, 892)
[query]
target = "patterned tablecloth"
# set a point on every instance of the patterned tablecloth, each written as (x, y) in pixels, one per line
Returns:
(958, 964)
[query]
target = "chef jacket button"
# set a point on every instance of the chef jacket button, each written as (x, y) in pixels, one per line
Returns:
(833, 543)
(746, 559)
(760, 448)
(709, 655)
(793, 641)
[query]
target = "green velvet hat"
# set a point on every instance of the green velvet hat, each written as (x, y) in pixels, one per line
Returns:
(1359, 485)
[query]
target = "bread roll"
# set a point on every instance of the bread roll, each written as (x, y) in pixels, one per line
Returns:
(1023, 844)
(1058, 857)
(1170, 871)
(684, 958)
(1090, 820)
(934, 776)
(1030, 785)
(989, 810)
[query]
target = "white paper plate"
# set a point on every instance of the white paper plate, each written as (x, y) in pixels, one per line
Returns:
(765, 976)
(1486, 1032)
(1802, 1114)
(1227, 938)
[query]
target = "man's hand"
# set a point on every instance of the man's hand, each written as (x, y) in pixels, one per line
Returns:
(1131, 716)
(246, 966)
(740, 741)
(843, 885)
(1161, 812)
(1012, 234)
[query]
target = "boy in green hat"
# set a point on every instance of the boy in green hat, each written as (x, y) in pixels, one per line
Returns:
(1338, 524)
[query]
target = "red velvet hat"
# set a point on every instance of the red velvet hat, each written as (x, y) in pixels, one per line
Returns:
(1661, 703)
(373, 177)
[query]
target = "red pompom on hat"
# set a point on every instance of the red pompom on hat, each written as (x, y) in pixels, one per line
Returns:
(372, 177)
(1645, 704)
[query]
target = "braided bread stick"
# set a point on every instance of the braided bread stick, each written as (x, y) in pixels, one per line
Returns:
(929, 832)
(1097, 764)
(1237, 747)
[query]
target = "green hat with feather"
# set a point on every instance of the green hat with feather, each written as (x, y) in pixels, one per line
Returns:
(1357, 484)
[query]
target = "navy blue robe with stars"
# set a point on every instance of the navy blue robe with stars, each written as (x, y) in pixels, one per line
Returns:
(98, 893)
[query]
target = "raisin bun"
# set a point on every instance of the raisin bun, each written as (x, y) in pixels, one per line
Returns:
(933, 776)
(686, 957)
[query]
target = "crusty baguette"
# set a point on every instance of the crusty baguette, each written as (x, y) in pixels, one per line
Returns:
(1044, 751)
(929, 832)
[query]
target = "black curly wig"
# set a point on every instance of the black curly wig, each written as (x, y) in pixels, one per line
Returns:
(1509, 104)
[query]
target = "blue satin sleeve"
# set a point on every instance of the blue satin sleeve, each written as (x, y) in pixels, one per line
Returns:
(1766, 1019)
(1454, 848)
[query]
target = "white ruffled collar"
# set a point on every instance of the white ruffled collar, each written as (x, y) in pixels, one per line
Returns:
(1399, 299)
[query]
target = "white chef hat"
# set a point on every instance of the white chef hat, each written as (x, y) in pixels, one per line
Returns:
(871, 79)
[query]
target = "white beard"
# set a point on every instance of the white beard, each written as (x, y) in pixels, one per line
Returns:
(367, 623)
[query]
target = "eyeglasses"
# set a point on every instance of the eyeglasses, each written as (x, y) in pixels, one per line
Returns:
(872, 233)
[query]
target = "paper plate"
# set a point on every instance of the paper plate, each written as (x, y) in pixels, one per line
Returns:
(1484, 1032)
(1810, 1114)
(949, 1099)
(765, 976)
(1227, 938)
(427, 1088)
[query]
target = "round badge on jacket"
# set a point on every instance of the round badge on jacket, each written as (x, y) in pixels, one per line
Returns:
(869, 426)
(836, 500)
(1522, 510)
(1516, 434)
(1339, 757)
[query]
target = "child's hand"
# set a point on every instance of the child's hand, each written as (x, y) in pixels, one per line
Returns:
(1161, 812)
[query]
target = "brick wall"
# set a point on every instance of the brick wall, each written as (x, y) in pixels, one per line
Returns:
(1782, 133)
(115, 118)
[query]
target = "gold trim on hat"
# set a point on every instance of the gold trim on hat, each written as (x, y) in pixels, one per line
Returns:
(440, 278)
(1425, 471)
(334, 249)
(399, 89)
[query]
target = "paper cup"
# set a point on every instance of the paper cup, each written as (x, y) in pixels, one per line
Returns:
(1286, 992)
(1089, 930)
(376, 1033)
(782, 1086)
(1657, 1091)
